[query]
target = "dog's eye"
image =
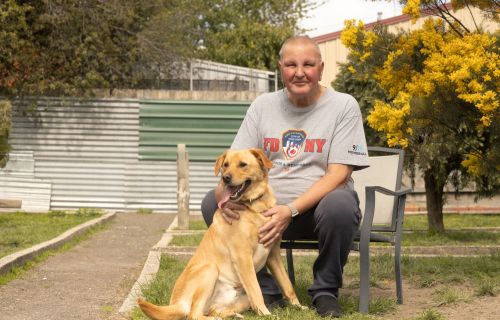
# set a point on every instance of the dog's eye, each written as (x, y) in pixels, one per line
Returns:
(242, 165)
(225, 165)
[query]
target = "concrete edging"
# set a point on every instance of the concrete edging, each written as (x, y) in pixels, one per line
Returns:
(21, 257)
(151, 267)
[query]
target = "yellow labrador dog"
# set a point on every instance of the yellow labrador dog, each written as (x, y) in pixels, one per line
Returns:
(220, 279)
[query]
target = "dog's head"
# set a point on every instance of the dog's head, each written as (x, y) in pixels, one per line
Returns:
(243, 174)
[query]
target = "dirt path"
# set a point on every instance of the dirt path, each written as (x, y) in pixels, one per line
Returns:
(91, 280)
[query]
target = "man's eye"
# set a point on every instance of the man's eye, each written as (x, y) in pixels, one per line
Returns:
(243, 164)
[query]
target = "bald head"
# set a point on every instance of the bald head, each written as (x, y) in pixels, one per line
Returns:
(302, 41)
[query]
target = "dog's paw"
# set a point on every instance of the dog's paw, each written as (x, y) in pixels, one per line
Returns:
(238, 315)
(299, 306)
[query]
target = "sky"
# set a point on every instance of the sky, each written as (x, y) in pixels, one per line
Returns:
(330, 16)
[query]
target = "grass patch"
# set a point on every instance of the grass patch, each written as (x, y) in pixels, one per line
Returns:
(454, 221)
(191, 240)
(144, 211)
(448, 295)
(455, 237)
(19, 230)
(430, 271)
(430, 314)
(159, 291)
(486, 288)
(424, 272)
(197, 225)
(421, 237)
(19, 271)
(418, 238)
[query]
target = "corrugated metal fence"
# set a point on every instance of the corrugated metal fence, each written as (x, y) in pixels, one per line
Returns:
(113, 154)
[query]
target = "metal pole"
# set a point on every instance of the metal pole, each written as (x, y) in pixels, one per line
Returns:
(190, 75)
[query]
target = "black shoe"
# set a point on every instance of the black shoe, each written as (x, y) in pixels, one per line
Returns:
(273, 301)
(327, 306)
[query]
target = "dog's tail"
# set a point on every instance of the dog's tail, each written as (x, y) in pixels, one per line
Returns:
(172, 312)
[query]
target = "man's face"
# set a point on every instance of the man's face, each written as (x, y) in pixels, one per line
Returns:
(301, 69)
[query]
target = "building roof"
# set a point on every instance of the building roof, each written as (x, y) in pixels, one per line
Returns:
(389, 21)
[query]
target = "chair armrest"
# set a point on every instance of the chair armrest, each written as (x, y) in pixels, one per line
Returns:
(369, 212)
(388, 192)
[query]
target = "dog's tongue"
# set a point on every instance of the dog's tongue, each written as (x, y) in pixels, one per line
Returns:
(225, 197)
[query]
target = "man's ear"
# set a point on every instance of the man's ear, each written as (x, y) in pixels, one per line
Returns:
(261, 156)
(219, 162)
(321, 71)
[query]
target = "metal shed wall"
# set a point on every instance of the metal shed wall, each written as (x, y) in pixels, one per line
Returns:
(114, 154)
(207, 128)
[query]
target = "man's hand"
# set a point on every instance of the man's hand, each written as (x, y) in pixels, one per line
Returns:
(230, 211)
(281, 217)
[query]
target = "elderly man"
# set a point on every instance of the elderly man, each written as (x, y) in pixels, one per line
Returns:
(315, 139)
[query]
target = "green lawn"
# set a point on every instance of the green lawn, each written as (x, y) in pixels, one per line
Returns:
(458, 233)
(20, 230)
(418, 222)
(454, 221)
(441, 273)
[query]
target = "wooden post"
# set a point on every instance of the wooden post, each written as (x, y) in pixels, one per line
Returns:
(182, 187)
(10, 203)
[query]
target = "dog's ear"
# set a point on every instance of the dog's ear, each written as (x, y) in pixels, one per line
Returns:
(219, 162)
(261, 156)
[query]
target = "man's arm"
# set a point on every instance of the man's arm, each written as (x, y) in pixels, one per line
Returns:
(336, 175)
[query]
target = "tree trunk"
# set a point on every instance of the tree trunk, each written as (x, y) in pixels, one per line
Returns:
(434, 194)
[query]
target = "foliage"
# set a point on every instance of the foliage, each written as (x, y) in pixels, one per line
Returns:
(66, 47)
(69, 47)
(414, 8)
(249, 33)
(356, 76)
(5, 117)
(441, 100)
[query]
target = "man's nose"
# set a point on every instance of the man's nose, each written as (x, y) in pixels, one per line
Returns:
(299, 72)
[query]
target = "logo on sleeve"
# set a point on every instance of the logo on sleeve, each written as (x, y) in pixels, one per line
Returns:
(358, 150)
(293, 143)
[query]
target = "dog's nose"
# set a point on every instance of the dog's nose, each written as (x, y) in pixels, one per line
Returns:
(226, 178)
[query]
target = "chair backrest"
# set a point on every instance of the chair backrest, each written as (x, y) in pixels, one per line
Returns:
(386, 170)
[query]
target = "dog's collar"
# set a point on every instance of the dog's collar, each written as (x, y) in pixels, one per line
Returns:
(255, 199)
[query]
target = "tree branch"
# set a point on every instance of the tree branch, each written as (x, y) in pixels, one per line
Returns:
(437, 8)
(445, 9)
(472, 16)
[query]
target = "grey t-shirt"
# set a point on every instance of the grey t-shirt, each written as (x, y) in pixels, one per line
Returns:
(302, 141)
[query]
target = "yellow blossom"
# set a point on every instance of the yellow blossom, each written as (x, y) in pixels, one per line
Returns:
(391, 120)
(412, 9)
(472, 163)
(349, 35)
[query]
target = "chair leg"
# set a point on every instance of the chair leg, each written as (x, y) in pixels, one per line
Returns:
(289, 262)
(364, 278)
(397, 270)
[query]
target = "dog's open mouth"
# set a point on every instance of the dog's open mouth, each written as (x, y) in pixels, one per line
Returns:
(233, 193)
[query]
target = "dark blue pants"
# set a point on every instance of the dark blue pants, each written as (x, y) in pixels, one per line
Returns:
(333, 222)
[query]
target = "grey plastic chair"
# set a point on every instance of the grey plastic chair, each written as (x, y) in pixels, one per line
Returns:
(380, 193)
